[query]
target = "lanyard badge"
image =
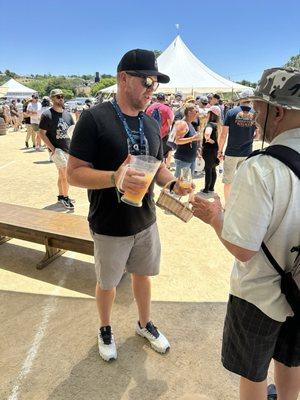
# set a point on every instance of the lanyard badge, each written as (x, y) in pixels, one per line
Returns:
(135, 146)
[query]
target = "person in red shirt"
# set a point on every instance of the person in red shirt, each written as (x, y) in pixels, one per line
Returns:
(164, 116)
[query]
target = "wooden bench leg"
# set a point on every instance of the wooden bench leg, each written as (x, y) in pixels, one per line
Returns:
(52, 253)
(4, 239)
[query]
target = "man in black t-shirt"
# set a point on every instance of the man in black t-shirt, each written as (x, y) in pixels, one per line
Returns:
(125, 236)
(53, 127)
(239, 130)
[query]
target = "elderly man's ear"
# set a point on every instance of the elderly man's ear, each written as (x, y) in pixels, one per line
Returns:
(279, 113)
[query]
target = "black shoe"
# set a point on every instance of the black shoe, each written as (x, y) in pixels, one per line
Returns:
(106, 334)
(66, 202)
(27, 145)
(272, 394)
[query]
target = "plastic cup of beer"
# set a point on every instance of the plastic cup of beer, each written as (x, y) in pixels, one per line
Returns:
(149, 166)
(185, 178)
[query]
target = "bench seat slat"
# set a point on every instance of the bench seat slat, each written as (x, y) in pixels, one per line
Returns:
(61, 231)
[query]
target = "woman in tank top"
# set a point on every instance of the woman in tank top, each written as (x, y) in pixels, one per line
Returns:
(186, 139)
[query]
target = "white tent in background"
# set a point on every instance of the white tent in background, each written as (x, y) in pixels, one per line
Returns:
(3, 90)
(13, 90)
(187, 74)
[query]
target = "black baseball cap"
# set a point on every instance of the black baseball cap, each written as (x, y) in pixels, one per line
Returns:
(142, 62)
(160, 96)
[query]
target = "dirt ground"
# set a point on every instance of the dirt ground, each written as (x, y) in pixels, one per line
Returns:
(48, 319)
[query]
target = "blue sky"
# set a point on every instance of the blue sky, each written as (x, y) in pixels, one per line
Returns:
(237, 39)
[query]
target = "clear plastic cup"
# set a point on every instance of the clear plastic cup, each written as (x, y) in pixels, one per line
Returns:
(149, 166)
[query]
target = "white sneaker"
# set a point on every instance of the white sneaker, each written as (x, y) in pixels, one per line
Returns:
(106, 344)
(157, 340)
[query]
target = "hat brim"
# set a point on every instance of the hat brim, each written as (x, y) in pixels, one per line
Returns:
(250, 98)
(275, 103)
(161, 78)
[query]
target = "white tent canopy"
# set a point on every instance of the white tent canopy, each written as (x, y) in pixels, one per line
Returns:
(187, 74)
(13, 89)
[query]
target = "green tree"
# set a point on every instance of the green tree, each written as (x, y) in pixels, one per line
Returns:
(39, 85)
(104, 76)
(10, 74)
(68, 94)
(87, 77)
(157, 53)
(294, 62)
(248, 83)
(106, 82)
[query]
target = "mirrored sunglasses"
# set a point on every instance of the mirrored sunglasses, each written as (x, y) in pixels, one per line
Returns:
(147, 81)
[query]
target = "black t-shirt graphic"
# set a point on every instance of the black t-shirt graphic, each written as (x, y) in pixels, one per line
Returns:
(100, 139)
(56, 126)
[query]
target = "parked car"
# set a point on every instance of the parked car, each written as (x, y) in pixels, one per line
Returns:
(77, 103)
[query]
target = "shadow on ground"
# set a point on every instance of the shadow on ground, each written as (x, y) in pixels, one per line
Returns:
(92, 379)
(42, 162)
(58, 207)
(78, 275)
(67, 365)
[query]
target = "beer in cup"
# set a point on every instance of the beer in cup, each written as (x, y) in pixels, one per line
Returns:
(149, 166)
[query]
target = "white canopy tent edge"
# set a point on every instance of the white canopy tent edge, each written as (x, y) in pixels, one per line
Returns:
(188, 74)
(13, 90)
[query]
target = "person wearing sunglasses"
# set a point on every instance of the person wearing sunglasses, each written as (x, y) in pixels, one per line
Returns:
(125, 237)
(54, 126)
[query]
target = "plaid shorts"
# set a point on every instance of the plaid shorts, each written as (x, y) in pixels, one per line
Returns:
(251, 339)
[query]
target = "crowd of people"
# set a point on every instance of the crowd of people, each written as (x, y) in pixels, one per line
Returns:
(197, 144)
(209, 125)
(262, 203)
(46, 123)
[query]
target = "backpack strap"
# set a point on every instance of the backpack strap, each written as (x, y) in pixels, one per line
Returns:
(291, 158)
(288, 156)
(272, 259)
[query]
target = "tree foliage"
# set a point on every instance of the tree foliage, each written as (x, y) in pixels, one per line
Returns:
(248, 83)
(10, 74)
(44, 85)
(294, 62)
(157, 53)
(105, 82)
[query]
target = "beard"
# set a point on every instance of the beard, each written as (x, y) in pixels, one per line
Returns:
(138, 104)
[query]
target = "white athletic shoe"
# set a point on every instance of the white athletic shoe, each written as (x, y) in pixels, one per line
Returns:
(106, 344)
(157, 340)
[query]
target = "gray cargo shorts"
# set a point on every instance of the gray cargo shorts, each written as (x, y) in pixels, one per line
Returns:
(139, 254)
(231, 164)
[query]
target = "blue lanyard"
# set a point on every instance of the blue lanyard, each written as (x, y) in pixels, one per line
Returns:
(126, 127)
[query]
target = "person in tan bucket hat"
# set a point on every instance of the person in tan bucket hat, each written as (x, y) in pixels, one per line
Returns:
(260, 227)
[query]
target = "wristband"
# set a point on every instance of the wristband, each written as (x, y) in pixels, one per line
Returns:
(114, 184)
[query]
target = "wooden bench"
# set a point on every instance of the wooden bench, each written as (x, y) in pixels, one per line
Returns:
(57, 231)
